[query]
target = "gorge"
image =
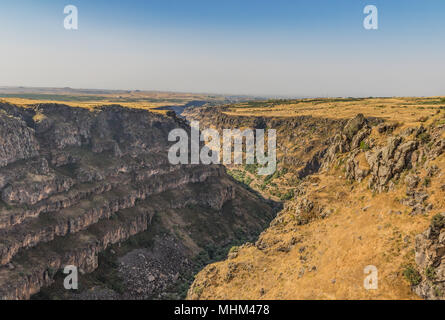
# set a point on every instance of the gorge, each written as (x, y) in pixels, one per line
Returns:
(76, 181)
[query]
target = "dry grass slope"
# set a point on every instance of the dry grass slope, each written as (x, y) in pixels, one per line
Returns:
(350, 224)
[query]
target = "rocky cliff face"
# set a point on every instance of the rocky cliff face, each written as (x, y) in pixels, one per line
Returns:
(302, 141)
(74, 181)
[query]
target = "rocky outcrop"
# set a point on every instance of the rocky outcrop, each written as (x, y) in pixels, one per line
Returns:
(17, 140)
(388, 162)
(353, 133)
(430, 253)
(385, 163)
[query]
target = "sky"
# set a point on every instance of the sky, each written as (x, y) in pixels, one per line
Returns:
(299, 48)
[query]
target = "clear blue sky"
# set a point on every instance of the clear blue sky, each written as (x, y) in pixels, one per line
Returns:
(276, 47)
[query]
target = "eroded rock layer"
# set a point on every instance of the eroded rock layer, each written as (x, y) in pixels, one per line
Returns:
(74, 181)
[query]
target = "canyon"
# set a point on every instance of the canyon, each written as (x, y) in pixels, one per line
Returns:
(78, 184)
(359, 182)
(362, 184)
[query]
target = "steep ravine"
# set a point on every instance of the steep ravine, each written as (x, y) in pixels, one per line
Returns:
(76, 182)
(362, 192)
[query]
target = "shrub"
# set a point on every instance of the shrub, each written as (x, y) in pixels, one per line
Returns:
(412, 275)
(430, 273)
(364, 146)
(252, 168)
(438, 221)
(424, 137)
(287, 196)
(234, 249)
(198, 290)
(437, 292)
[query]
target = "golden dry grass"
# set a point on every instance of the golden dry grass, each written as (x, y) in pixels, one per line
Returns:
(139, 100)
(366, 228)
(405, 110)
(86, 104)
(340, 247)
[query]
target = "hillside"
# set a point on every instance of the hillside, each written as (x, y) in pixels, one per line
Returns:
(362, 181)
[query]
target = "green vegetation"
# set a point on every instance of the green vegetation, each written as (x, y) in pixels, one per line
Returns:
(364, 146)
(234, 249)
(277, 174)
(424, 137)
(240, 176)
(198, 290)
(437, 291)
(432, 101)
(438, 221)
(412, 275)
(331, 100)
(430, 272)
(287, 196)
(251, 168)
